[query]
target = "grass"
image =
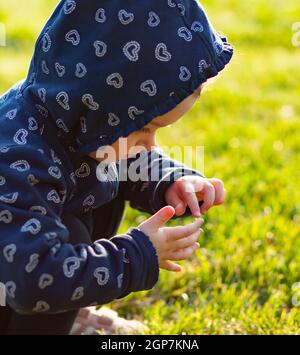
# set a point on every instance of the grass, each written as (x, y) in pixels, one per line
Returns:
(240, 281)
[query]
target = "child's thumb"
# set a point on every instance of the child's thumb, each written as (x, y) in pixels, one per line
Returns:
(159, 218)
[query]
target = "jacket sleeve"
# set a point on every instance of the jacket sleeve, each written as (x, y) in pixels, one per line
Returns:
(42, 272)
(145, 179)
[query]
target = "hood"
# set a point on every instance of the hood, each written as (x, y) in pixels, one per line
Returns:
(103, 69)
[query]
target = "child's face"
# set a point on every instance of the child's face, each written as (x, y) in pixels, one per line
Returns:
(145, 137)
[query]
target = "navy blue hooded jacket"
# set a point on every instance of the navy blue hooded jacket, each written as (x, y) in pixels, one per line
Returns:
(100, 70)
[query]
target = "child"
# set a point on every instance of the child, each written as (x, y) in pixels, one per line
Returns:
(99, 73)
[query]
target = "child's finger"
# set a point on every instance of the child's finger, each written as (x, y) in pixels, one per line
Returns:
(177, 203)
(158, 219)
(184, 253)
(190, 197)
(208, 197)
(174, 233)
(219, 190)
(186, 242)
(170, 266)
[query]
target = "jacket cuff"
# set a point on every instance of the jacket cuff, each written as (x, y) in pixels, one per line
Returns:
(147, 276)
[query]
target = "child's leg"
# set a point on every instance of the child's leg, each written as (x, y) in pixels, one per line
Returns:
(61, 323)
(48, 324)
(5, 316)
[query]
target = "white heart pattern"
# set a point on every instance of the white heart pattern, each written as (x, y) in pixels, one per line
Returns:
(69, 7)
(10, 198)
(89, 101)
(32, 179)
(113, 119)
(100, 15)
(20, 136)
(42, 110)
(33, 262)
(83, 171)
(161, 53)
(53, 196)
(55, 172)
(33, 226)
(9, 252)
(20, 165)
(131, 50)
(133, 112)
(45, 281)
(42, 94)
(171, 3)
(70, 265)
(6, 216)
(61, 124)
(89, 201)
(219, 47)
(32, 124)
(46, 43)
(102, 275)
(116, 80)
(41, 306)
(45, 68)
(80, 70)
(149, 87)
(11, 114)
(203, 65)
(197, 26)
(181, 8)
(10, 289)
(73, 36)
(184, 74)
(63, 100)
(77, 294)
(153, 19)
(125, 17)
(60, 70)
(185, 33)
(39, 209)
(101, 48)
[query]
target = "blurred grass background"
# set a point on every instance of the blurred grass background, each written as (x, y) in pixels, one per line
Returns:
(241, 279)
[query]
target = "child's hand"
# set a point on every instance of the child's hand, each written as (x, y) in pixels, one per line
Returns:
(188, 190)
(171, 243)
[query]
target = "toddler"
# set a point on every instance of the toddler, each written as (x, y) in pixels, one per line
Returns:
(102, 72)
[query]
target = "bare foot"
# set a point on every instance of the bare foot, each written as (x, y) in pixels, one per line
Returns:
(91, 321)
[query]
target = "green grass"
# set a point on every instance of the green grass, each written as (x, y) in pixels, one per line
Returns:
(240, 281)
